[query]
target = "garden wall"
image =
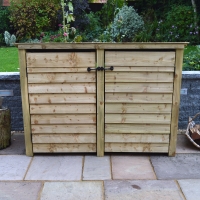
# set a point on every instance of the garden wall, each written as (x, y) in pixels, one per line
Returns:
(190, 98)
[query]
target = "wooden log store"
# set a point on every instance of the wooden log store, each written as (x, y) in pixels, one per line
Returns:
(100, 97)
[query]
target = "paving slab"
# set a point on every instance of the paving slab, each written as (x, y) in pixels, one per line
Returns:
(17, 146)
(13, 167)
(190, 188)
(185, 146)
(182, 166)
(21, 190)
(84, 190)
(142, 190)
(132, 167)
(97, 168)
(55, 168)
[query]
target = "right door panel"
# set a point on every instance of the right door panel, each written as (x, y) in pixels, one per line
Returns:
(138, 100)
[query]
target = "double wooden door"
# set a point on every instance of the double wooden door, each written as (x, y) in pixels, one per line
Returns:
(127, 109)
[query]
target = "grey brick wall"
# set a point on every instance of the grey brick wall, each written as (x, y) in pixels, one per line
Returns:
(11, 81)
(189, 106)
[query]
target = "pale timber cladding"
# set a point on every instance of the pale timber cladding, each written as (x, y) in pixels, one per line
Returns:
(133, 108)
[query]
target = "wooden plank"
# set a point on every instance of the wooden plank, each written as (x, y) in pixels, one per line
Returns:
(138, 118)
(61, 59)
(109, 45)
(139, 87)
(130, 77)
(62, 88)
(100, 105)
(64, 138)
(140, 58)
(64, 119)
(87, 128)
(142, 69)
(136, 147)
(25, 103)
(176, 102)
(62, 148)
(33, 70)
(61, 98)
(62, 78)
(137, 128)
(137, 108)
(137, 98)
(63, 109)
(136, 138)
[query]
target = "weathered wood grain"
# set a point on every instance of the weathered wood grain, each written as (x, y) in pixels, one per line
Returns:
(64, 138)
(61, 59)
(137, 108)
(139, 87)
(136, 147)
(138, 118)
(136, 138)
(64, 119)
(59, 148)
(62, 98)
(62, 88)
(87, 128)
(144, 58)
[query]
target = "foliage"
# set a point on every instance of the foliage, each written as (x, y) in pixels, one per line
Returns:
(9, 59)
(30, 17)
(179, 24)
(191, 61)
(127, 23)
(81, 19)
(107, 13)
(93, 30)
(9, 39)
(4, 19)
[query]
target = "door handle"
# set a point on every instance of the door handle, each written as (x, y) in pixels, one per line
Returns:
(97, 68)
(100, 68)
(110, 68)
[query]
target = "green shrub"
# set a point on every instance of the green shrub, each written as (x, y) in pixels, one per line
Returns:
(31, 17)
(178, 26)
(191, 61)
(4, 19)
(93, 29)
(127, 23)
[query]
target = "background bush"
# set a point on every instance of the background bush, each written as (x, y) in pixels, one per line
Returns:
(127, 23)
(31, 17)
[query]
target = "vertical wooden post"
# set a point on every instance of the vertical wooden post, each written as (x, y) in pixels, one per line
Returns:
(25, 102)
(100, 104)
(176, 101)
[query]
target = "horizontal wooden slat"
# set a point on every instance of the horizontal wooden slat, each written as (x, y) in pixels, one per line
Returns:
(107, 45)
(63, 128)
(139, 87)
(138, 118)
(47, 69)
(63, 109)
(64, 119)
(138, 128)
(59, 148)
(138, 98)
(136, 147)
(144, 58)
(61, 98)
(62, 88)
(137, 108)
(112, 76)
(142, 69)
(64, 138)
(61, 59)
(136, 138)
(62, 77)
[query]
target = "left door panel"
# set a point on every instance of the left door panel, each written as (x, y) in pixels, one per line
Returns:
(62, 97)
